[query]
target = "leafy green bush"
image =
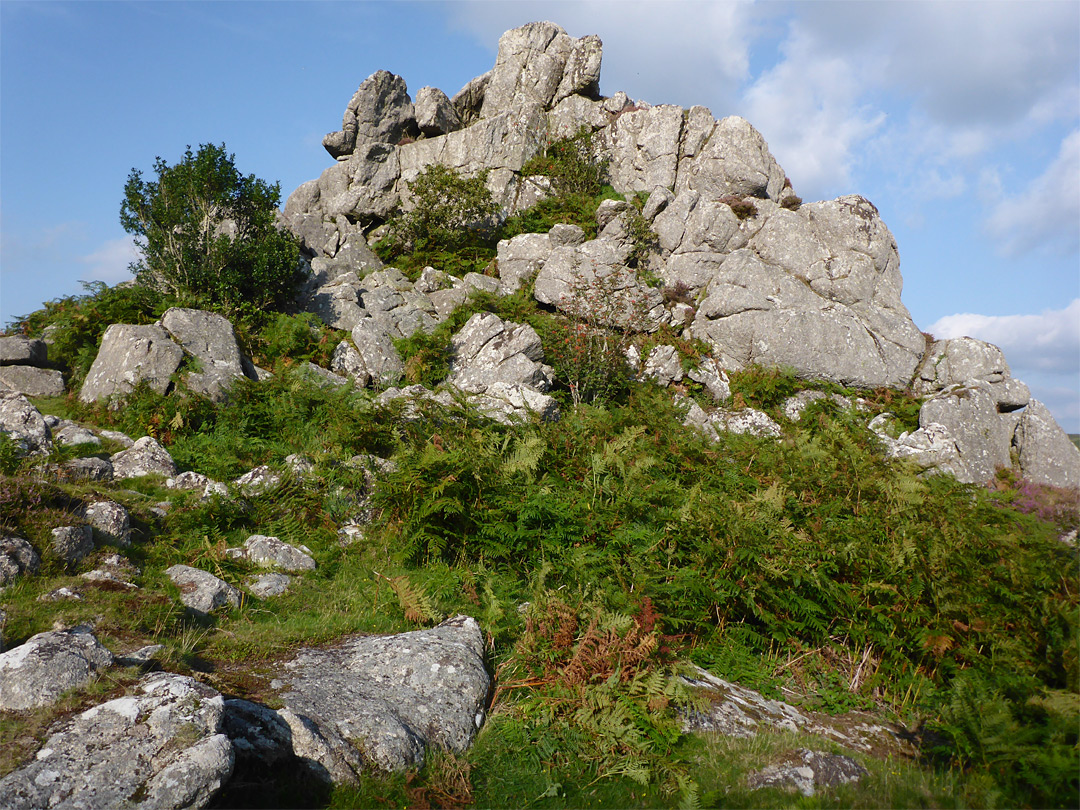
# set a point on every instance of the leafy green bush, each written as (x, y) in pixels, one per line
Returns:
(573, 164)
(208, 234)
(450, 216)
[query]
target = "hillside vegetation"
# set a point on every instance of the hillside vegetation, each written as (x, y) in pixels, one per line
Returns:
(602, 554)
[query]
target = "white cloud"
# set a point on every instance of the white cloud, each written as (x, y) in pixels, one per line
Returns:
(809, 110)
(1048, 342)
(1042, 350)
(1045, 215)
(109, 263)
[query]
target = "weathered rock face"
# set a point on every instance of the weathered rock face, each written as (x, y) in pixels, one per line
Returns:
(961, 360)
(210, 339)
(807, 772)
(736, 711)
(72, 543)
(34, 382)
(111, 519)
(130, 355)
(24, 423)
(202, 591)
(162, 747)
(21, 351)
(931, 447)
(382, 700)
(1047, 454)
(145, 457)
(17, 557)
(970, 415)
(380, 111)
(487, 351)
(272, 553)
(36, 672)
(816, 289)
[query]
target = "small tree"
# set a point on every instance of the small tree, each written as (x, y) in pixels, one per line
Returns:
(208, 234)
(449, 211)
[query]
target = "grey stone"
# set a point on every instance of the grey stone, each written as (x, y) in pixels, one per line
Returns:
(931, 447)
(1047, 454)
(34, 382)
(511, 403)
(258, 480)
(17, 558)
(591, 281)
(67, 432)
(162, 747)
(469, 100)
(520, 259)
(378, 355)
(87, 468)
(735, 711)
(970, 416)
(111, 519)
(23, 351)
(321, 376)
(210, 339)
(113, 570)
(957, 360)
(644, 148)
(382, 700)
(24, 422)
(566, 235)
(380, 111)
(38, 671)
(144, 457)
(531, 64)
(435, 115)
(658, 200)
(202, 591)
(817, 290)
(188, 480)
(747, 420)
(117, 436)
(270, 552)
(72, 543)
(269, 585)
(130, 355)
(733, 160)
(794, 406)
(663, 365)
(346, 360)
(715, 379)
(807, 772)
(487, 350)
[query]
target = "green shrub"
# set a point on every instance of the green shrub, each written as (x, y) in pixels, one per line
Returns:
(450, 216)
(573, 164)
(209, 236)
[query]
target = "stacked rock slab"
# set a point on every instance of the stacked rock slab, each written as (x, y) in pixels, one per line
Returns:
(23, 368)
(817, 289)
(975, 401)
(812, 287)
(153, 353)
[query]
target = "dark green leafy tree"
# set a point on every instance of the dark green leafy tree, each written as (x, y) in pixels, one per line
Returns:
(208, 235)
(449, 211)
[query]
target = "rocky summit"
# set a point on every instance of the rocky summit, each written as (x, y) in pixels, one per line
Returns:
(122, 558)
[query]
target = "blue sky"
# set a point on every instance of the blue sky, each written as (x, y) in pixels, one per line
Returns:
(959, 120)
